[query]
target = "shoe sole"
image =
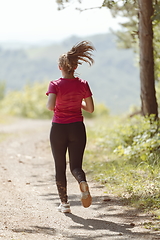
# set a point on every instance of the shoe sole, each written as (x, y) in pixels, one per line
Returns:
(65, 211)
(87, 200)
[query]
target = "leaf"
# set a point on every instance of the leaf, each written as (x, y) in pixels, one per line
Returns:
(143, 157)
(108, 3)
(156, 15)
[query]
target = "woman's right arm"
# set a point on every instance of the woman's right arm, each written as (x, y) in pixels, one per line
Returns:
(51, 101)
(88, 104)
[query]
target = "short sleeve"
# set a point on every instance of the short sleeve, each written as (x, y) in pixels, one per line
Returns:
(52, 88)
(88, 92)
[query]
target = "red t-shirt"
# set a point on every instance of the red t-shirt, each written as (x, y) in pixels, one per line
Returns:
(69, 96)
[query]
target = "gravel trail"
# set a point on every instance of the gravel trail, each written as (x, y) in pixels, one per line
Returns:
(28, 195)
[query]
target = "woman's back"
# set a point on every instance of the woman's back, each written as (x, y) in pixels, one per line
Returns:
(69, 96)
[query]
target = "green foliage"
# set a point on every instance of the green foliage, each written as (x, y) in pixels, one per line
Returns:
(128, 37)
(30, 102)
(158, 94)
(156, 16)
(156, 50)
(140, 144)
(124, 155)
(108, 3)
(136, 140)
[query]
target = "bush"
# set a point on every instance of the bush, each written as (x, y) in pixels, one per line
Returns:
(140, 142)
(30, 102)
(124, 155)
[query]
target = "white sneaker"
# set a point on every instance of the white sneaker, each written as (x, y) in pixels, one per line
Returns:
(64, 208)
(86, 198)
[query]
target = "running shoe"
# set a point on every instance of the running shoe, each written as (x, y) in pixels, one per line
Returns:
(64, 208)
(86, 198)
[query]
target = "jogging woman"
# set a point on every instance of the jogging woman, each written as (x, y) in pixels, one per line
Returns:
(67, 96)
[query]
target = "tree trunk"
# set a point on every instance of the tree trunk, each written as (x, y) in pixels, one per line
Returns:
(148, 93)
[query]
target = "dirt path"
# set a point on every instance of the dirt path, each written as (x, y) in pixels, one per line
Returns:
(28, 195)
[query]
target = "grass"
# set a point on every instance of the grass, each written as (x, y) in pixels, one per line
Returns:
(135, 179)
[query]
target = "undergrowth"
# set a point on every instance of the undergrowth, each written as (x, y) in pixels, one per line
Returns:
(124, 155)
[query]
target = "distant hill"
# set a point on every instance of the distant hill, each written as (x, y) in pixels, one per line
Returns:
(114, 79)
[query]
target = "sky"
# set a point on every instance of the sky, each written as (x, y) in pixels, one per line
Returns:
(34, 21)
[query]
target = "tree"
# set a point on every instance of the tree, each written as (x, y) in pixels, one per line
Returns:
(140, 14)
(145, 12)
(147, 78)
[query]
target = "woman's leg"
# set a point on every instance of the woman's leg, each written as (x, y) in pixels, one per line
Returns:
(77, 142)
(58, 140)
(76, 147)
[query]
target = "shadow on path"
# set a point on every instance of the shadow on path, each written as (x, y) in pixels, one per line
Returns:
(111, 229)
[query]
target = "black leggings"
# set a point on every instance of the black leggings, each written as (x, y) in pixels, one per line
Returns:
(71, 137)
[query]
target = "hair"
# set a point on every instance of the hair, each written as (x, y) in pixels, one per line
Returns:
(81, 52)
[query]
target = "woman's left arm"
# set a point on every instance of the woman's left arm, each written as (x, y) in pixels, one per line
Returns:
(51, 101)
(88, 104)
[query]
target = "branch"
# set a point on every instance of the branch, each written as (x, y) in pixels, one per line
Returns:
(85, 9)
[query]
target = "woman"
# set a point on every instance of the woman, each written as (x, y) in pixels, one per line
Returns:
(66, 97)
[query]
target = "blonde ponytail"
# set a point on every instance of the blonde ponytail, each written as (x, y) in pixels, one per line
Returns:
(81, 52)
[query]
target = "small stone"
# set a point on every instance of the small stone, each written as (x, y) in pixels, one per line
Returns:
(132, 224)
(20, 161)
(106, 199)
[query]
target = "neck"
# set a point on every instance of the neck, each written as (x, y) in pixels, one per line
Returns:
(67, 75)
